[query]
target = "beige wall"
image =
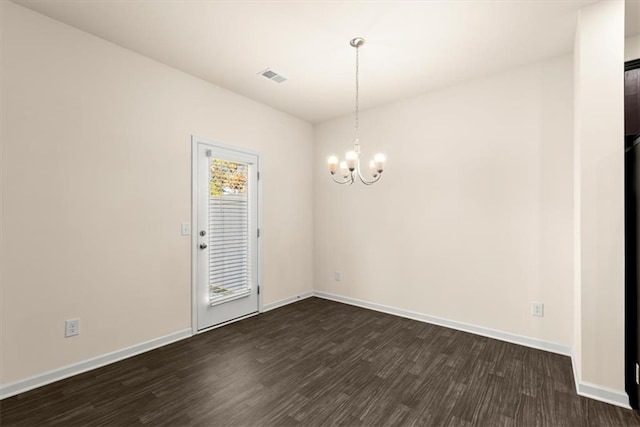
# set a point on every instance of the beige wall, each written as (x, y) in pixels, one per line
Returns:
(632, 48)
(599, 53)
(472, 220)
(96, 180)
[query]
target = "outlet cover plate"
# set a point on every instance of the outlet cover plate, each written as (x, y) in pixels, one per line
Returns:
(71, 327)
(537, 309)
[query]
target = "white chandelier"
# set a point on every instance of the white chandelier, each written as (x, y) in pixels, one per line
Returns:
(350, 167)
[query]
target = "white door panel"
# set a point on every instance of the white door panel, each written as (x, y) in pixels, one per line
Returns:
(226, 234)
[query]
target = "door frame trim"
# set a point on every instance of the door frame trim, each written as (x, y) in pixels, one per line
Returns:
(195, 140)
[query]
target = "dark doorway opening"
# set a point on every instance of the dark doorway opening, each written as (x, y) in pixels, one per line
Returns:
(632, 228)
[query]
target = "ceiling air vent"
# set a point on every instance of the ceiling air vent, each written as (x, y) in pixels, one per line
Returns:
(272, 75)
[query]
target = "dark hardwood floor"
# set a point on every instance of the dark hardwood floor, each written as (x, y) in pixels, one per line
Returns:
(318, 362)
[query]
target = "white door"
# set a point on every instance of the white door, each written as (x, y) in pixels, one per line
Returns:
(226, 233)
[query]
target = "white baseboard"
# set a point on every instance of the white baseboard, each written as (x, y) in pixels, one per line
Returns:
(596, 392)
(603, 394)
(285, 301)
(11, 389)
(447, 323)
(574, 368)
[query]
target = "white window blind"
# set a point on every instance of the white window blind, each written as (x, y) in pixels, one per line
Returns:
(229, 261)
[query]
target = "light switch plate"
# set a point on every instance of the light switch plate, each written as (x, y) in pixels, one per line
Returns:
(185, 229)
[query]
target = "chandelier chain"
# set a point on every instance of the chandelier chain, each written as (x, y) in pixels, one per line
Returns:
(357, 96)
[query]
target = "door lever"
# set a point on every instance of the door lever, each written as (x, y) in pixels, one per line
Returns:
(203, 246)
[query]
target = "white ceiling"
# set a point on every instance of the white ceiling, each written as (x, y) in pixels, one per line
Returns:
(411, 48)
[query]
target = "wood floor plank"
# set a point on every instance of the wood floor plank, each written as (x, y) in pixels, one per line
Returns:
(322, 363)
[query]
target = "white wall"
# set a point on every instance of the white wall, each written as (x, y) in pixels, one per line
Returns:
(632, 48)
(472, 220)
(96, 180)
(599, 136)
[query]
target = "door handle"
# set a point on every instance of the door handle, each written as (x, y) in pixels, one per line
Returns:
(203, 246)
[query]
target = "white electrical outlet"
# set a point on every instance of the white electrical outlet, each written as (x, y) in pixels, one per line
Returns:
(185, 229)
(537, 309)
(71, 327)
(337, 276)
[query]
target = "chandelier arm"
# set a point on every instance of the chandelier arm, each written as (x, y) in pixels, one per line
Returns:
(346, 181)
(367, 181)
(363, 179)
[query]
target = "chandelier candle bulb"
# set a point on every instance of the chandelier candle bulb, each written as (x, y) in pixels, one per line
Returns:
(332, 164)
(379, 161)
(372, 168)
(352, 160)
(344, 170)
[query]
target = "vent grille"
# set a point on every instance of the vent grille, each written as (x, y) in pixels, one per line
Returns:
(272, 75)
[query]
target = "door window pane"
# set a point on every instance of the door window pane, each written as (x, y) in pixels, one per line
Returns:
(229, 261)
